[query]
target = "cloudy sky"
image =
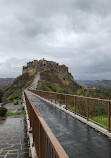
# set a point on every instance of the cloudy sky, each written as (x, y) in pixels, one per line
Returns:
(76, 33)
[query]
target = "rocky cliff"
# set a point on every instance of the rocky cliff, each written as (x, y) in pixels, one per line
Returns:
(54, 77)
(39, 65)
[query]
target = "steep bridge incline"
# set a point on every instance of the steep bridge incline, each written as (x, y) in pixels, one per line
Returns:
(35, 82)
(78, 139)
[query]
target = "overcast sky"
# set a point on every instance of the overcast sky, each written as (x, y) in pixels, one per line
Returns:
(76, 33)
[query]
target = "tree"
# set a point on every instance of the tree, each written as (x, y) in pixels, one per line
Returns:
(1, 94)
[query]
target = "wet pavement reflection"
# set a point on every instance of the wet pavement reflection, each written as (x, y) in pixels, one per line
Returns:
(13, 138)
(78, 139)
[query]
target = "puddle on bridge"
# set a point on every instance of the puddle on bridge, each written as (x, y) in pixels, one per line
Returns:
(78, 139)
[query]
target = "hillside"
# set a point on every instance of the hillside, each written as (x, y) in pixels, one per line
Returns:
(52, 81)
(102, 84)
(15, 90)
(102, 87)
(57, 79)
(6, 81)
(53, 77)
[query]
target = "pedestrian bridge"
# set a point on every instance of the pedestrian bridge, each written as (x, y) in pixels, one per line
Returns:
(58, 134)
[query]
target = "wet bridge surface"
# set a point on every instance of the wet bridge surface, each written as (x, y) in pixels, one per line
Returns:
(78, 139)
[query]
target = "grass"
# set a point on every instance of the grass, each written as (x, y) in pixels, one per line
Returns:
(12, 101)
(53, 81)
(103, 120)
(47, 86)
(71, 108)
(13, 114)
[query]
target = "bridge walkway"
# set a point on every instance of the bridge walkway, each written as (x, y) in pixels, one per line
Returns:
(78, 139)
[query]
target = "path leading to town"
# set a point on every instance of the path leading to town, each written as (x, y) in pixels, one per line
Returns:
(78, 139)
(35, 82)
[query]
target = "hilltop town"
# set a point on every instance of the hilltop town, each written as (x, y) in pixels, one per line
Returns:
(37, 65)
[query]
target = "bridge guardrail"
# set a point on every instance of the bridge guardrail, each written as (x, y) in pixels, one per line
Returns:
(93, 109)
(46, 144)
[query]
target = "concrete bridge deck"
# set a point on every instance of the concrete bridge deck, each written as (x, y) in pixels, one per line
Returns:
(78, 139)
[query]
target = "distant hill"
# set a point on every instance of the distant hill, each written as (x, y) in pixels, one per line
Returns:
(102, 87)
(101, 84)
(14, 90)
(6, 81)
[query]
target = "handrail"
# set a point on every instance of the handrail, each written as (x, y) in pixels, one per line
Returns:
(93, 109)
(45, 142)
(107, 100)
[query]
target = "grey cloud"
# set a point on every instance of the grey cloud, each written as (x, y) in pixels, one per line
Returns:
(74, 32)
(12, 67)
(36, 28)
(95, 6)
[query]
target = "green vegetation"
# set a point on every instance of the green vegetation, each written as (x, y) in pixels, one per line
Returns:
(18, 99)
(51, 81)
(14, 91)
(98, 112)
(3, 111)
(105, 93)
(17, 113)
(98, 117)
(103, 120)
(102, 88)
(47, 86)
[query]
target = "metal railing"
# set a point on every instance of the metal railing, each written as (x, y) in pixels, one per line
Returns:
(46, 144)
(93, 109)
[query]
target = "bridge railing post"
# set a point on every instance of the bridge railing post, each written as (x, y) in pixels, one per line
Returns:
(42, 147)
(74, 104)
(55, 98)
(60, 99)
(32, 127)
(87, 109)
(66, 101)
(51, 97)
(39, 140)
(109, 116)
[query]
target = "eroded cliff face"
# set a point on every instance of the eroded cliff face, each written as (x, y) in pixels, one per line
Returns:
(33, 67)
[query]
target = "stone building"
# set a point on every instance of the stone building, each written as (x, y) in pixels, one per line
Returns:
(37, 65)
